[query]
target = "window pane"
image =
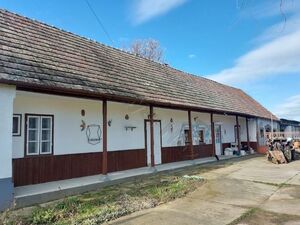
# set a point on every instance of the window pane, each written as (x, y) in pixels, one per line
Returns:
(46, 135)
(46, 123)
(33, 122)
(15, 125)
(33, 135)
(32, 147)
(45, 147)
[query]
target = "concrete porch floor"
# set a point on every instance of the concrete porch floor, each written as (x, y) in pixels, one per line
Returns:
(41, 193)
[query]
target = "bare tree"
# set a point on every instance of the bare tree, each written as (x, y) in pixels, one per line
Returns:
(147, 48)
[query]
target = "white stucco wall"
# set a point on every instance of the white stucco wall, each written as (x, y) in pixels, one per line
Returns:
(227, 125)
(7, 95)
(68, 137)
(252, 130)
(172, 136)
(118, 138)
(243, 129)
(201, 121)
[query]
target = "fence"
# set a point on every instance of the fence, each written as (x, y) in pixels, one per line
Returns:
(273, 135)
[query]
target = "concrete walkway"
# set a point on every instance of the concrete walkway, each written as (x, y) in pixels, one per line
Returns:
(230, 192)
(41, 193)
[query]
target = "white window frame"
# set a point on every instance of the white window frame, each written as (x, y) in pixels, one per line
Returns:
(39, 137)
(41, 134)
(19, 116)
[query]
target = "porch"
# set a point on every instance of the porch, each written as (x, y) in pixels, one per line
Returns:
(41, 193)
(65, 145)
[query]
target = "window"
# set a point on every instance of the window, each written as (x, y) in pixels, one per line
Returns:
(16, 128)
(201, 136)
(39, 134)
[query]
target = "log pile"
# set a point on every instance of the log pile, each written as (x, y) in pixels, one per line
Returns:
(275, 154)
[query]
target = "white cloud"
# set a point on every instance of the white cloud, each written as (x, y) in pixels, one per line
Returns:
(192, 56)
(278, 52)
(280, 56)
(266, 8)
(145, 10)
(290, 109)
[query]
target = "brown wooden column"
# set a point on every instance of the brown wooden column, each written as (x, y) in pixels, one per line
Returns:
(190, 135)
(248, 138)
(238, 132)
(104, 154)
(213, 133)
(152, 136)
(257, 134)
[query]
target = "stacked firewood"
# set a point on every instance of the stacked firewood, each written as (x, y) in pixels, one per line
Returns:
(283, 151)
(275, 153)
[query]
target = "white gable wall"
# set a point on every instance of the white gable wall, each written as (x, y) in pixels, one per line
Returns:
(68, 137)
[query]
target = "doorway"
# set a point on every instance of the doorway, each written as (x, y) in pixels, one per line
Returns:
(157, 142)
(218, 140)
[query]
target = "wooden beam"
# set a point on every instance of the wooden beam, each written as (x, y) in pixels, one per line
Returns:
(238, 132)
(104, 154)
(257, 134)
(248, 138)
(213, 133)
(152, 136)
(190, 135)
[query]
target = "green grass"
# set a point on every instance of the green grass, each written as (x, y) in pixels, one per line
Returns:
(110, 202)
(114, 201)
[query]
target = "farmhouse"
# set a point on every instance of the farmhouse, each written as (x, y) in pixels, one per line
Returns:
(72, 107)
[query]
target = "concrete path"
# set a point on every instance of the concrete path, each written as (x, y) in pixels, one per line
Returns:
(228, 193)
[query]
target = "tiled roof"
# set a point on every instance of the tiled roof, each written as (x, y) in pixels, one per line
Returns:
(35, 54)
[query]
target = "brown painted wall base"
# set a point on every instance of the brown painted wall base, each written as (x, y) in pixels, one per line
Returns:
(41, 169)
(262, 149)
(181, 153)
(174, 154)
(125, 160)
(202, 151)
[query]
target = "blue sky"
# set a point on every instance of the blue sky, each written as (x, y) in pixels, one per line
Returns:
(249, 44)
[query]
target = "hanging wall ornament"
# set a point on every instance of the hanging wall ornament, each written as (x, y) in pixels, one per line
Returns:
(82, 126)
(93, 134)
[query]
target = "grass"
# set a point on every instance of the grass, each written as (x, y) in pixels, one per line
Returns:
(257, 216)
(112, 202)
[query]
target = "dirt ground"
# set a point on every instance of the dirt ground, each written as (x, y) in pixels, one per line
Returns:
(252, 192)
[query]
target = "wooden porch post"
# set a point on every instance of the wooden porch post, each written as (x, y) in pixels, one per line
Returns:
(190, 134)
(238, 132)
(104, 154)
(248, 139)
(213, 133)
(257, 135)
(152, 136)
